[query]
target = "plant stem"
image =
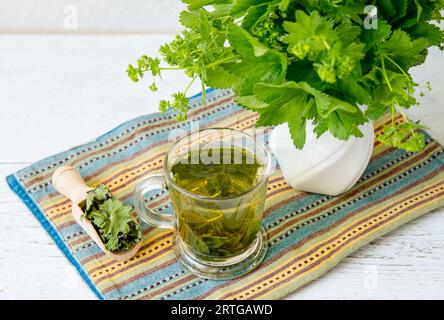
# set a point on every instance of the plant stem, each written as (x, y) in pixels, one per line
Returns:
(406, 120)
(403, 115)
(204, 91)
(384, 73)
(326, 44)
(216, 63)
(189, 85)
(171, 68)
(398, 66)
(393, 111)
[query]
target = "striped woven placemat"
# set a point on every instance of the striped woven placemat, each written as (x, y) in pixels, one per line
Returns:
(308, 233)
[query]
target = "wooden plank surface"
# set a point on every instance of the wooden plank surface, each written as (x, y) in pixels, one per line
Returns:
(60, 91)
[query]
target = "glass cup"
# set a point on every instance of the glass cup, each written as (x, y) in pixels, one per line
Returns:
(215, 236)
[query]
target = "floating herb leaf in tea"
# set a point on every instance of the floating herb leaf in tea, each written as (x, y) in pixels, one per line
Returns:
(228, 226)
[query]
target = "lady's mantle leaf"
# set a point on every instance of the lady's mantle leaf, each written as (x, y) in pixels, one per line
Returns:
(241, 6)
(112, 219)
(257, 63)
(331, 48)
(119, 217)
(292, 103)
(406, 52)
(197, 4)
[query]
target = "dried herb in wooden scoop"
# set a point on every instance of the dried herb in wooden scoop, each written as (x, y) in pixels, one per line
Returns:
(108, 221)
(112, 219)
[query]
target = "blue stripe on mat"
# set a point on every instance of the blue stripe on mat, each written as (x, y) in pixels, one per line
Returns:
(29, 202)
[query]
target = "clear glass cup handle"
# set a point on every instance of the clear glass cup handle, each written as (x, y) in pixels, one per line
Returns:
(146, 214)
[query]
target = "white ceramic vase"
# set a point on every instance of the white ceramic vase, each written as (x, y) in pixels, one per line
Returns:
(326, 165)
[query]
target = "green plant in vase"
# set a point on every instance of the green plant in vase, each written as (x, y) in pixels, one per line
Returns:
(295, 61)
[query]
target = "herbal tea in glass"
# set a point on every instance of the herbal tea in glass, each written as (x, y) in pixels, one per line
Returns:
(217, 182)
(224, 226)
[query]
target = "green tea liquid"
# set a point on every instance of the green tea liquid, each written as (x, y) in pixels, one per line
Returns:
(225, 220)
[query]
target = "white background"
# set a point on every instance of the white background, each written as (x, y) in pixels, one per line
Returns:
(61, 90)
(95, 16)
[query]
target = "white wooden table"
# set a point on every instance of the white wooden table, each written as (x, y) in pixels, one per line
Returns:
(60, 91)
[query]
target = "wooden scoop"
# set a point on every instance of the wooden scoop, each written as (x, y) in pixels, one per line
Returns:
(68, 182)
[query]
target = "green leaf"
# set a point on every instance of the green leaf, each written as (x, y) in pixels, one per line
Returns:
(401, 8)
(96, 197)
(283, 5)
(376, 110)
(294, 94)
(197, 243)
(373, 37)
(303, 71)
(197, 4)
(269, 68)
(245, 43)
(316, 53)
(119, 217)
(310, 34)
(406, 52)
(338, 105)
(398, 93)
(354, 91)
(241, 6)
(403, 136)
(222, 10)
(205, 28)
(113, 219)
(298, 133)
(427, 31)
(253, 16)
(330, 48)
(189, 19)
(323, 102)
(341, 124)
(284, 102)
(292, 102)
(419, 9)
(387, 8)
(221, 78)
(257, 63)
(251, 103)
(100, 218)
